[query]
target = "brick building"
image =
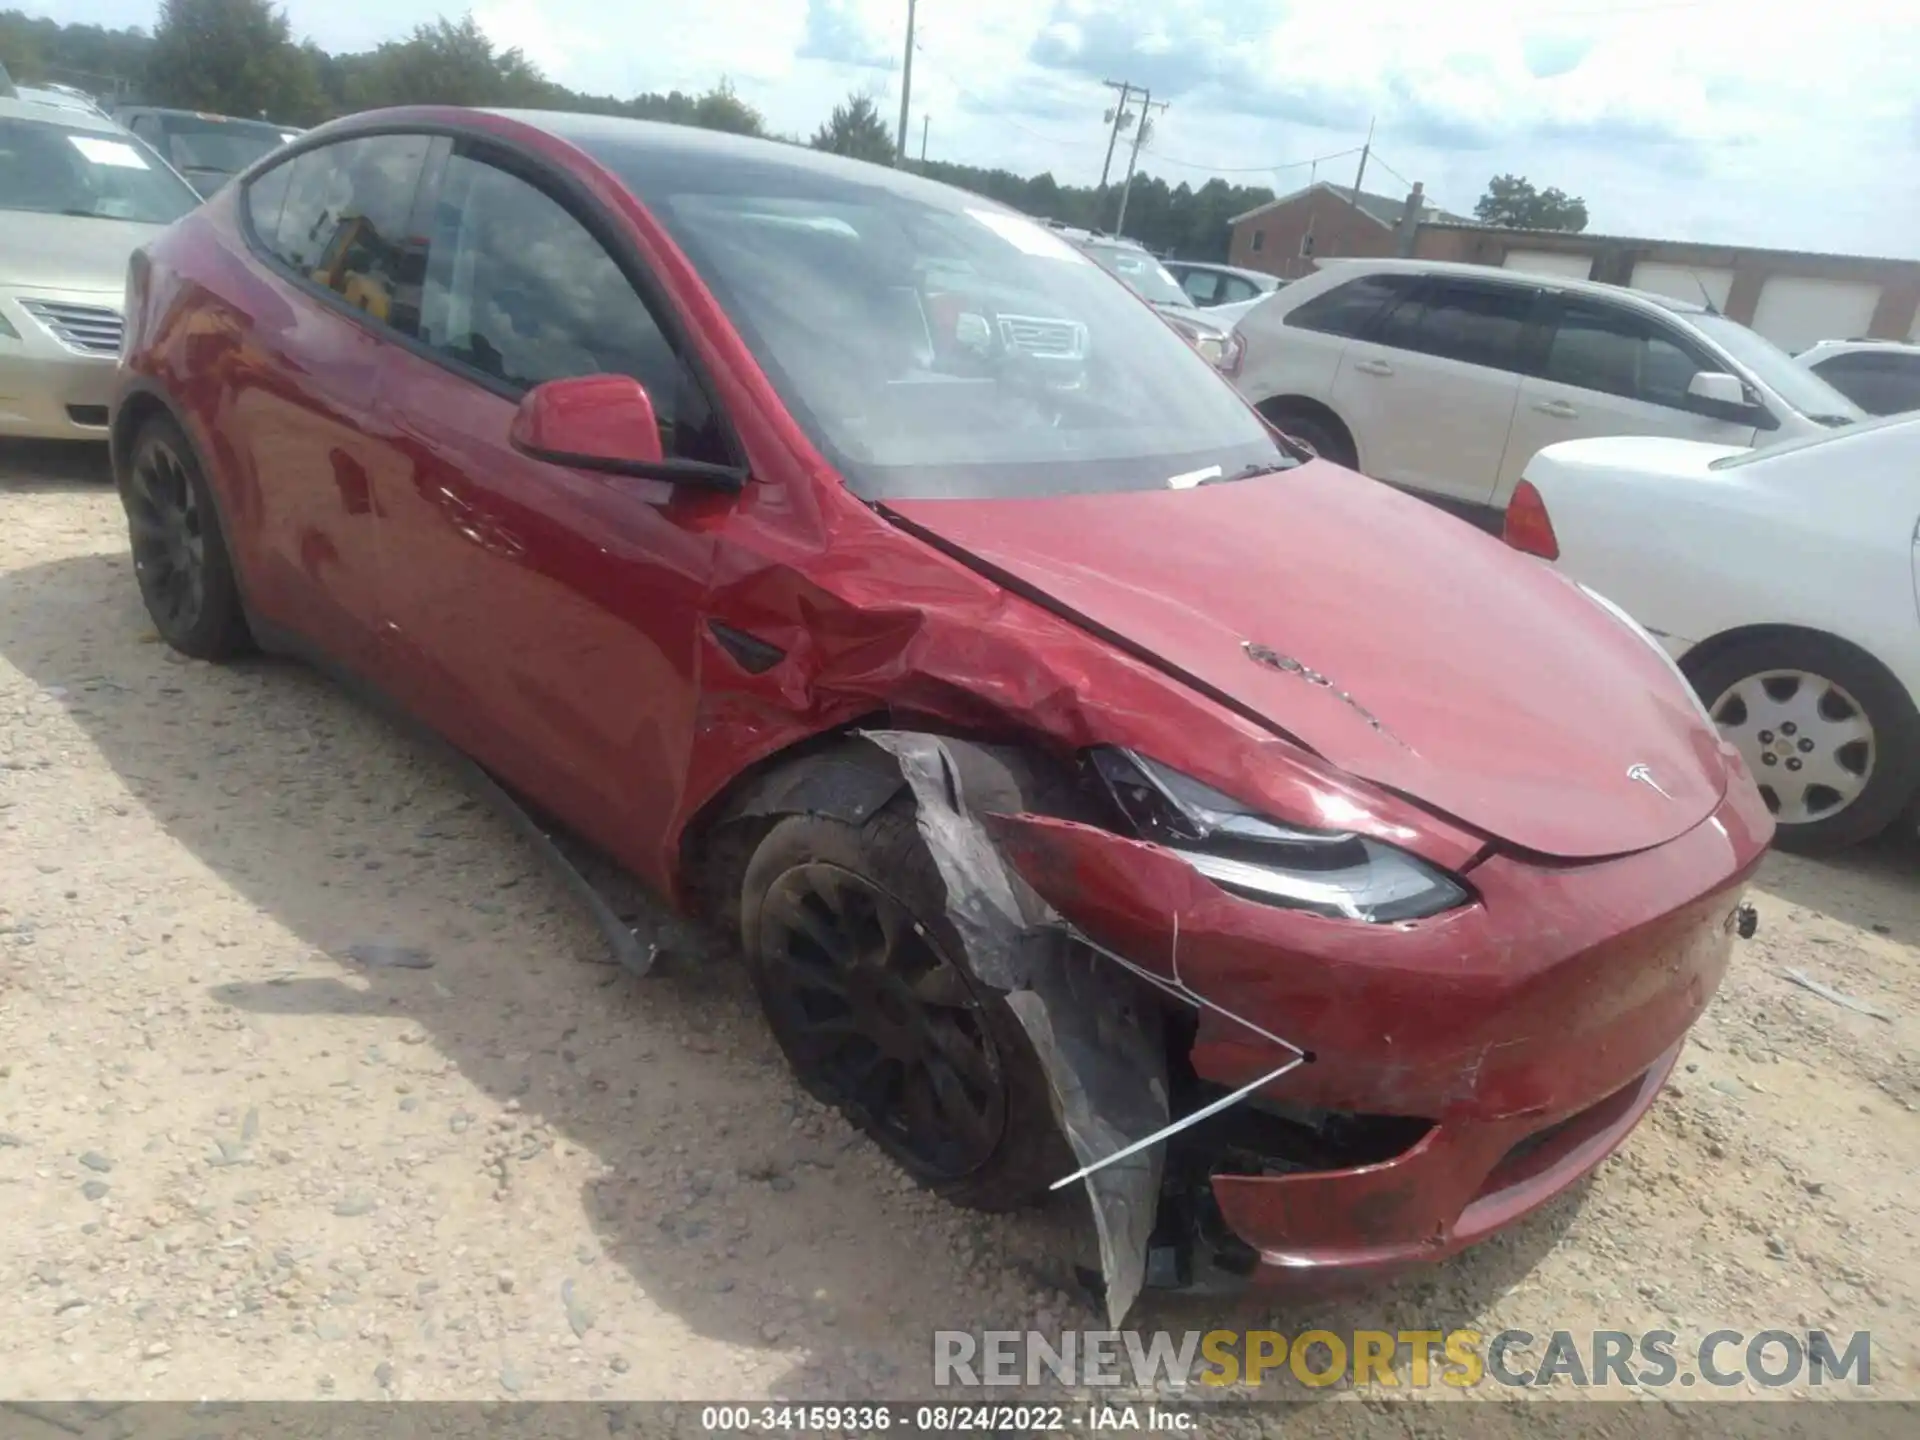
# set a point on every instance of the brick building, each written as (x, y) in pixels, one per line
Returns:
(1792, 297)
(1284, 236)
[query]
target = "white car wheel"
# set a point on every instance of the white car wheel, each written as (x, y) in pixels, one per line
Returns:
(1809, 743)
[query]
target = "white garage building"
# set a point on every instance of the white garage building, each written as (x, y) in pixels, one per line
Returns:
(1792, 298)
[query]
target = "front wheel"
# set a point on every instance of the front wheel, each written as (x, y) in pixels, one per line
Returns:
(1832, 739)
(866, 988)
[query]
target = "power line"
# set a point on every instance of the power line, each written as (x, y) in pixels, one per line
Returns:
(1391, 171)
(1251, 169)
(984, 107)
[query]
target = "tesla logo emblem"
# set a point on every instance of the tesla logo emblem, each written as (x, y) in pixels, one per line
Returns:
(1645, 777)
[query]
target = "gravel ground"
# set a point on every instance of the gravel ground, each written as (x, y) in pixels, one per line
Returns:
(236, 1162)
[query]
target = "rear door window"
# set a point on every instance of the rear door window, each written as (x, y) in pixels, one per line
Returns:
(1350, 309)
(343, 222)
(1601, 347)
(1463, 320)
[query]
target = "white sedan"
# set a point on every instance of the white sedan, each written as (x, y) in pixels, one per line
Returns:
(1784, 583)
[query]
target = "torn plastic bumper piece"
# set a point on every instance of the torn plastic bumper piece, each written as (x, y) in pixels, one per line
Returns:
(1098, 1044)
(1520, 1040)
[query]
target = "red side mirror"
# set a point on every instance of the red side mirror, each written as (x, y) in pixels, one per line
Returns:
(598, 422)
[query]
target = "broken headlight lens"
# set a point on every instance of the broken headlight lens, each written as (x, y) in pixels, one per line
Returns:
(1326, 872)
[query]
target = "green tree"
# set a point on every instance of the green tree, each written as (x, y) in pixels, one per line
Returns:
(856, 129)
(447, 63)
(232, 57)
(1512, 201)
(718, 109)
(107, 63)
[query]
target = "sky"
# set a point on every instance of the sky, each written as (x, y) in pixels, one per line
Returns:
(1733, 121)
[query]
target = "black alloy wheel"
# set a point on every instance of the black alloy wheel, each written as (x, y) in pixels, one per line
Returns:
(878, 1021)
(180, 557)
(169, 532)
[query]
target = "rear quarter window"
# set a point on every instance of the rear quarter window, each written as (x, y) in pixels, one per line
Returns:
(1348, 310)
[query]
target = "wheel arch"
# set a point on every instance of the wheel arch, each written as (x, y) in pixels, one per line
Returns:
(1275, 407)
(840, 774)
(1704, 653)
(142, 402)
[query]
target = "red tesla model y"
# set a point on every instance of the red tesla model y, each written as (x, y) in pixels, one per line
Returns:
(1094, 780)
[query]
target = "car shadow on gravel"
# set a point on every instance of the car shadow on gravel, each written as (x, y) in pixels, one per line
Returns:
(664, 1077)
(1874, 887)
(52, 466)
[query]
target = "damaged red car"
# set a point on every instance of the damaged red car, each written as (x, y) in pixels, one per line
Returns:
(1101, 789)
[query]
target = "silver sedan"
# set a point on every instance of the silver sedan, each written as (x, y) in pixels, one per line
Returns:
(78, 195)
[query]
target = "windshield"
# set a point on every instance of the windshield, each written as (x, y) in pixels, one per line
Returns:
(53, 169)
(1143, 274)
(224, 146)
(937, 346)
(1773, 367)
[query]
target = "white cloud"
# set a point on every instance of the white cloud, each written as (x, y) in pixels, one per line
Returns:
(1704, 119)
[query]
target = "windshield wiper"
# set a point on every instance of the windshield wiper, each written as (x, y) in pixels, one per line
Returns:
(1249, 472)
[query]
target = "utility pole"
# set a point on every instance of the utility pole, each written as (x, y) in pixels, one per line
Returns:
(1119, 119)
(1147, 105)
(1361, 174)
(925, 120)
(1407, 233)
(906, 88)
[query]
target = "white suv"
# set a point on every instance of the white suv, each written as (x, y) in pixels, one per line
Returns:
(1446, 379)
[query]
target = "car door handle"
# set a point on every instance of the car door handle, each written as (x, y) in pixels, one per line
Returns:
(1559, 409)
(1373, 367)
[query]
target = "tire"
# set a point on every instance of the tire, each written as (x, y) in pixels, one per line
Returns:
(1009, 1150)
(1322, 434)
(180, 556)
(1751, 690)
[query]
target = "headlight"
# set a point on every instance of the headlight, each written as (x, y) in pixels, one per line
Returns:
(1219, 348)
(1325, 872)
(6, 329)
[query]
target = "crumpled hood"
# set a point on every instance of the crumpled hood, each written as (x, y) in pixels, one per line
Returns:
(68, 252)
(1398, 643)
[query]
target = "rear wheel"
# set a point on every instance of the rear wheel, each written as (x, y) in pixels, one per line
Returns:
(1321, 433)
(1832, 739)
(866, 988)
(180, 557)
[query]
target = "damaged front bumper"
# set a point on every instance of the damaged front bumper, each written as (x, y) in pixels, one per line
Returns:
(1462, 1070)
(1337, 1099)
